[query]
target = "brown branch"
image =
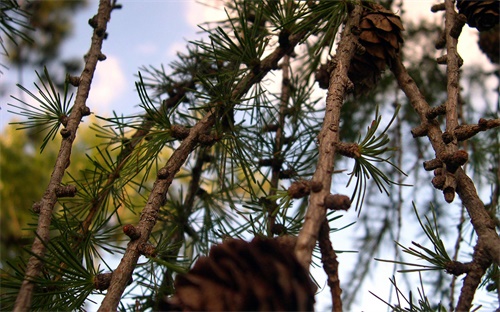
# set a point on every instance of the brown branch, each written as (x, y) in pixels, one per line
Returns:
(149, 214)
(482, 222)
(480, 219)
(330, 265)
(472, 280)
(279, 139)
(328, 137)
(464, 132)
(453, 92)
(25, 295)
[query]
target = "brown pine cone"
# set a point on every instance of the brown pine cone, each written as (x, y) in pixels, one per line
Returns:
(489, 42)
(482, 14)
(262, 275)
(381, 37)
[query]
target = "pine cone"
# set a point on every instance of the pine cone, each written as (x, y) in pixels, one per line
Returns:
(262, 275)
(482, 14)
(381, 38)
(489, 42)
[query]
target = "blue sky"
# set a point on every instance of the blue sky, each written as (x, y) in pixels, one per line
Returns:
(147, 33)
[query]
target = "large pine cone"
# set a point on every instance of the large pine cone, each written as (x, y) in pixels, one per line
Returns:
(489, 42)
(262, 275)
(381, 37)
(482, 14)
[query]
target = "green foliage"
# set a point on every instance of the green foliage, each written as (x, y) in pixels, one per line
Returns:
(371, 149)
(52, 21)
(50, 114)
(422, 304)
(234, 183)
(438, 257)
(13, 23)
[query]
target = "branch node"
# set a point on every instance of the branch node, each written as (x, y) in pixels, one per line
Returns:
(438, 182)
(436, 111)
(100, 32)
(432, 164)
(447, 137)
(63, 119)
(441, 42)
(131, 232)
(270, 128)
(93, 21)
(65, 133)
(148, 250)
(73, 80)
(350, 150)
(442, 59)
(85, 111)
(65, 191)
(207, 139)
(457, 268)
(163, 173)
(37, 207)
(337, 202)
(458, 25)
(419, 131)
(179, 132)
(287, 174)
(449, 194)
(438, 7)
(102, 281)
(299, 189)
(455, 160)
(101, 57)
(316, 186)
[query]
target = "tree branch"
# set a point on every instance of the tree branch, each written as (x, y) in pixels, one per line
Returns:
(330, 265)
(46, 205)
(280, 135)
(482, 222)
(328, 137)
(478, 267)
(149, 214)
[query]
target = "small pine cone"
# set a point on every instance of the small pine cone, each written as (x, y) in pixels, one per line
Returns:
(482, 14)
(381, 37)
(489, 42)
(262, 275)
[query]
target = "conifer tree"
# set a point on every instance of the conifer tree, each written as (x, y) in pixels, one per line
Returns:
(221, 194)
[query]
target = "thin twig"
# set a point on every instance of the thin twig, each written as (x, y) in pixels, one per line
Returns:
(330, 265)
(278, 142)
(328, 137)
(25, 295)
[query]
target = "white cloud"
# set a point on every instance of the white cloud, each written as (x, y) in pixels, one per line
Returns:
(176, 47)
(108, 85)
(199, 12)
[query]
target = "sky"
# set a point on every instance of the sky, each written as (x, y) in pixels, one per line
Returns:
(151, 32)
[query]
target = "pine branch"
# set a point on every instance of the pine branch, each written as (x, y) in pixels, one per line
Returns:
(480, 263)
(453, 63)
(279, 139)
(327, 138)
(330, 265)
(24, 298)
(482, 222)
(166, 174)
